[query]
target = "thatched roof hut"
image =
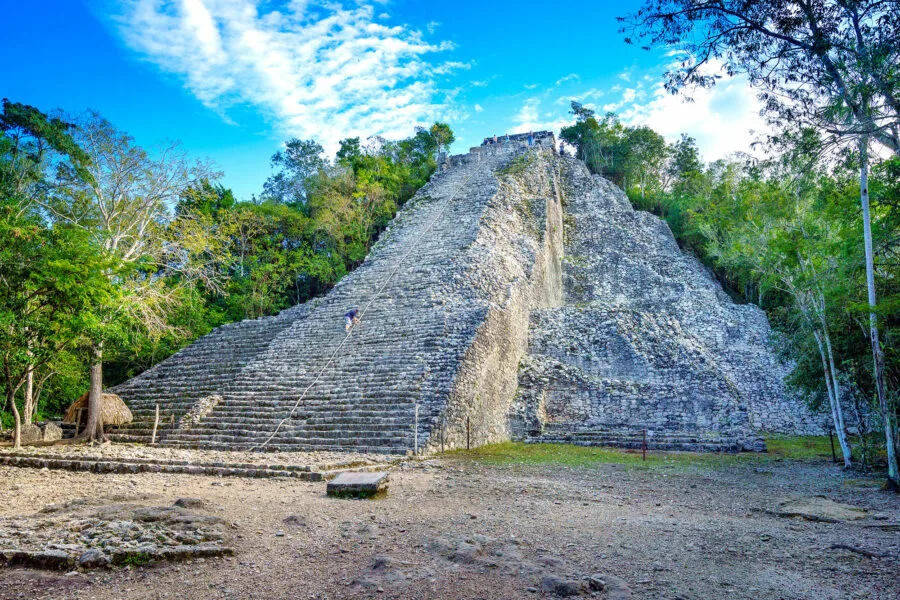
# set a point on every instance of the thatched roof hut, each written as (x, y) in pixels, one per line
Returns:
(114, 411)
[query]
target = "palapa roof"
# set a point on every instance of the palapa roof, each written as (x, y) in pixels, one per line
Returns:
(114, 411)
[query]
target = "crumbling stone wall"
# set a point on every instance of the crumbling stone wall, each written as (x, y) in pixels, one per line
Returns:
(514, 265)
(647, 338)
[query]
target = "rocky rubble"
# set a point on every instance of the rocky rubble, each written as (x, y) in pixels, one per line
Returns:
(89, 534)
(200, 409)
(36, 432)
(469, 555)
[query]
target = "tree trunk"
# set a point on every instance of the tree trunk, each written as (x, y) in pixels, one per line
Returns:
(834, 399)
(28, 405)
(94, 428)
(834, 381)
(884, 402)
(11, 402)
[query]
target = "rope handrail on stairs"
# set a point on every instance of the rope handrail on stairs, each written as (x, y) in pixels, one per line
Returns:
(362, 313)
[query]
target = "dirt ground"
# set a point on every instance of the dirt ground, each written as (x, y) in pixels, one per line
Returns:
(455, 528)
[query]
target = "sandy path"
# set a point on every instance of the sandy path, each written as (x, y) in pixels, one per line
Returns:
(452, 529)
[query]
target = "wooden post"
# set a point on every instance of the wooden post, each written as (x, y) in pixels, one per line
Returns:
(644, 445)
(155, 425)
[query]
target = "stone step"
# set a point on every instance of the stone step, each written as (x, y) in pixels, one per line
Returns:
(632, 440)
(219, 469)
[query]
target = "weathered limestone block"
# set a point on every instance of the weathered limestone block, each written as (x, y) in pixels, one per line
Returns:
(51, 432)
(358, 485)
(31, 433)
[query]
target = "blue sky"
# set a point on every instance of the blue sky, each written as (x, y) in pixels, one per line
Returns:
(232, 79)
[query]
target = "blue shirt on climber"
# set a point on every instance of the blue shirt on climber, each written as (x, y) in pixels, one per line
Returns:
(350, 318)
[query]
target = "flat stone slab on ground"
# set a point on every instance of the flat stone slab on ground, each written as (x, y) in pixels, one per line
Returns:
(358, 485)
(820, 509)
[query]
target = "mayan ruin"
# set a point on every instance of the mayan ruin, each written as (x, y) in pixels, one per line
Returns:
(390, 300)
(516, 296)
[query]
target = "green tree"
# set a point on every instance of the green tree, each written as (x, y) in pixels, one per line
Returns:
(442, 135)
(646, 157)
(296, 165)
(124, 206)
(48, 275)
(600, 144)
(820, 63)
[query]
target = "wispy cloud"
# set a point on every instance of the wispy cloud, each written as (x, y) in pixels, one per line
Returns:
(315, 68)
(569, 77)
(530, 118)
(625, 101)
(723, 119)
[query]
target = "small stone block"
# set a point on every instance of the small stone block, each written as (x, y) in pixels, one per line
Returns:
(358, 485)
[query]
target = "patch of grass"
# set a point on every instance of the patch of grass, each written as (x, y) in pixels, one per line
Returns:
(517, 165)
(864, 483)
(133, 559)
(518, 453)
(800, 447)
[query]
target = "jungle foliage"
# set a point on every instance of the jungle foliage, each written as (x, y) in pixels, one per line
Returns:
(113, 257)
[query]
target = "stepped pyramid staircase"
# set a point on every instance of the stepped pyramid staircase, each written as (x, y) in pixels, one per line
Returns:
(400, 362)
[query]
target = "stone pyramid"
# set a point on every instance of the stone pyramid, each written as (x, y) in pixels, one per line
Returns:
(482, 323)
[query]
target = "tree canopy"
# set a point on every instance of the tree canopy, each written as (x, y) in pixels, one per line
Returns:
(113, 256)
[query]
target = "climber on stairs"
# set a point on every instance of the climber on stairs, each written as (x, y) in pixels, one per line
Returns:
(351, 319)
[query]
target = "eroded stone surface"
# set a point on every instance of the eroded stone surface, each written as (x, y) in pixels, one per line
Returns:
(90, 534)
(820, 509)
(647, 340)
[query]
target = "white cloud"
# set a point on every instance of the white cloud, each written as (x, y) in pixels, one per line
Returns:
(569, 77)
(529, 118)
(317, 69)
(479, 108)
(528, 115)
(628, 97)
(723, 119)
